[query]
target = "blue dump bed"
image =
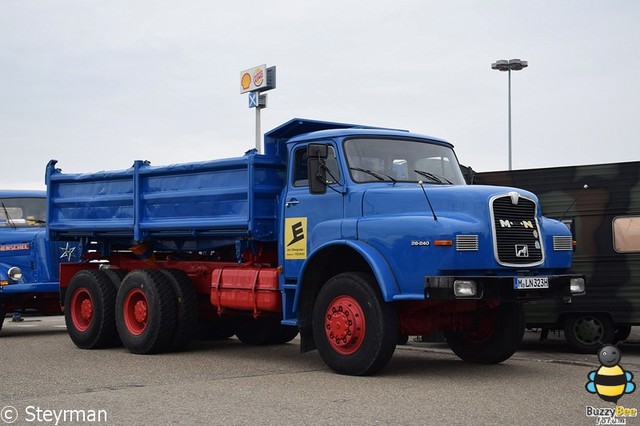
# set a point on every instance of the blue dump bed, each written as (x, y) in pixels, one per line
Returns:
(226, 199)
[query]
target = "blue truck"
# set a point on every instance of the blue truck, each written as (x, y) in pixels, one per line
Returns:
(28, 260)
(351, 235)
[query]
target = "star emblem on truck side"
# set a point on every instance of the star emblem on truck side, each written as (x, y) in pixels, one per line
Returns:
(67, 252)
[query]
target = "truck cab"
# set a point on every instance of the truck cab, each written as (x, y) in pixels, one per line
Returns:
(392, 208)
(28, 261)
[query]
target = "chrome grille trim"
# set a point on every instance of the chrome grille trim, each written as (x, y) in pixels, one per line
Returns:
(562, 242)
(466, 243)
(516, 233)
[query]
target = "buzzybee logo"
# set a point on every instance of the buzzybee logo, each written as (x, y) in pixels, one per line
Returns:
(610, 382)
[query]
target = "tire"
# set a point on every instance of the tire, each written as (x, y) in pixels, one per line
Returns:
(2, 315)
(281, 334)
(587, 332)
(403, 339)
(90, 310)
(186, 308)
(255, 331)
(215, 328)
(498, 337)
(622, 333)
(116, 276)
(354, 329)
(146, 312)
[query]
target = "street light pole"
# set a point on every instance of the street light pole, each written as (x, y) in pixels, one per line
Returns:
(510, 65)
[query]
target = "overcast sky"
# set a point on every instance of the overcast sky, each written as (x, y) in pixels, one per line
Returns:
(98, 84)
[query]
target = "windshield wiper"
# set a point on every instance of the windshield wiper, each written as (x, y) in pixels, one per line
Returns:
(6, 213)
(377, 175)
(434, 178)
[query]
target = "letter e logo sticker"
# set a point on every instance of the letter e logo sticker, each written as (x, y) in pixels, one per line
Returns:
(295, 238)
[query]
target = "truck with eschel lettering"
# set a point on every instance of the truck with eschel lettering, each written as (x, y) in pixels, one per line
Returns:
(28, 261)
(350, 235)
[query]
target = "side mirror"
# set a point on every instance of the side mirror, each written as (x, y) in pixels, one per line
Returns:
(317, 150)
(316, 168)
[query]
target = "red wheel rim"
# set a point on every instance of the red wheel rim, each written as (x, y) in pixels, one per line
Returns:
(344, 325)
(81, 309)
(136, 311)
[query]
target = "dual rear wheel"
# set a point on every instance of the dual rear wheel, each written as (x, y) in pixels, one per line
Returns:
(149, 311)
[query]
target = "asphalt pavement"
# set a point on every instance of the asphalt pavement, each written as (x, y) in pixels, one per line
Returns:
(47, 380)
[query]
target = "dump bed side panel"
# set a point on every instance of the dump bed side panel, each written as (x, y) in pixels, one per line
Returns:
(225, 198)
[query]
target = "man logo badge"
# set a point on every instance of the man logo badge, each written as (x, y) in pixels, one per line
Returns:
(522, 250)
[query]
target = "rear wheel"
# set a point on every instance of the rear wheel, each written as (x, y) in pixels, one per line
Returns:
(281, 334)
(216, 328)
(496, 337)
(116, 276)
(90, 309)
(355, 330)
(265, 331)
(186, 308)
(146, 312)
(588, 332)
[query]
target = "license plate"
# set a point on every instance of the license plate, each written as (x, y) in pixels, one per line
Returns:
(530, 283)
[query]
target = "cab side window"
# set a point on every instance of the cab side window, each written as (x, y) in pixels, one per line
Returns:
(300, 174)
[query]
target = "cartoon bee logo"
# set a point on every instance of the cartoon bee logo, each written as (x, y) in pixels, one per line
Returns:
(610, 381)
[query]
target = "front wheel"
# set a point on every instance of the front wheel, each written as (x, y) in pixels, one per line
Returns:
(355, 330)
(496, 336)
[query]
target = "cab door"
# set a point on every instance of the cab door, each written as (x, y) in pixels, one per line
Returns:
(310, 220)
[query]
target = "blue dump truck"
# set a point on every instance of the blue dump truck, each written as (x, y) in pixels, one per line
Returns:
(351, 235)
(28, 261)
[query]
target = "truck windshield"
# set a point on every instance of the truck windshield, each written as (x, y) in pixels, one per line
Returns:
(22, 212)
(402, 160)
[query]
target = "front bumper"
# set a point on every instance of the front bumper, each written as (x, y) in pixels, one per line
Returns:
(499, 288)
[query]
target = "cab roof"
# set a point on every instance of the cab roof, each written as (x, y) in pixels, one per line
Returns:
(299, 129)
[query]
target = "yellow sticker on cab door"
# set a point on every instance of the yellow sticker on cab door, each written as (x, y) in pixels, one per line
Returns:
(295, 238)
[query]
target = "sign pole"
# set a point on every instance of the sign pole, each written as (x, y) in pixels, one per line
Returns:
(255, 81)
(258, 132)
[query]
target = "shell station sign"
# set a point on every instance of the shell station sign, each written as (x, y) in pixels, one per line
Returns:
(257, 79)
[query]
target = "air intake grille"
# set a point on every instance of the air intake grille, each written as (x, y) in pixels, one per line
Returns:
(562, 242)
(516, 231)
(466, 242)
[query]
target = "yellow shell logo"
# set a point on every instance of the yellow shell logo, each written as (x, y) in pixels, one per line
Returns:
(245, 81)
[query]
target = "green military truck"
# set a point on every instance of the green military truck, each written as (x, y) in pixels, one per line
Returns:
(605, 220)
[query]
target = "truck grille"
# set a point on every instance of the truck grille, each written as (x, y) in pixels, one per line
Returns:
(516, 235)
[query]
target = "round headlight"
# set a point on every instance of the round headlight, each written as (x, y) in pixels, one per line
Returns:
(15, 273)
